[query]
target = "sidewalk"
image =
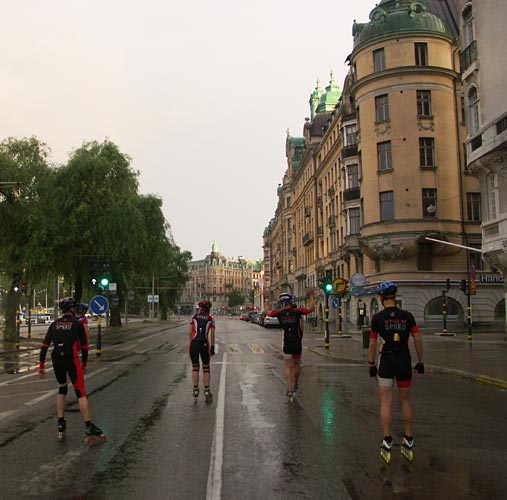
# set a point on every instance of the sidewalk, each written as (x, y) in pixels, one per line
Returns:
(484, 359)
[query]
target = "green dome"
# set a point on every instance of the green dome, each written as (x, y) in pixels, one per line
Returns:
(398, 17)
(329, 99)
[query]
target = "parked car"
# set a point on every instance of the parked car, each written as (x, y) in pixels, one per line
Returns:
(251, 315)
(270, 322)
(242, 317)
(259, 319)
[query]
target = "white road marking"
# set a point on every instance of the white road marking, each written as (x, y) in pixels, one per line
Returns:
(7, 413)
(40, 398)
(214, 487)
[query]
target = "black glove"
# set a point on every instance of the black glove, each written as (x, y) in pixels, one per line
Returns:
(373, 371)
(212, 350)
(419, 368)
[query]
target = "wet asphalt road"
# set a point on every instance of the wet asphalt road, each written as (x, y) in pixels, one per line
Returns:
(250, 443)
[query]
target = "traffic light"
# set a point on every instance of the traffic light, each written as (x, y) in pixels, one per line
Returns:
(463, 286)
(24, 287)
(16, 282)
(93, 272)
(104, 275)
(327, 282)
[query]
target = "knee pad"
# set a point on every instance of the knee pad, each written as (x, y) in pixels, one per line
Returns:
(63, 389)
(195, 368)
(205, 368)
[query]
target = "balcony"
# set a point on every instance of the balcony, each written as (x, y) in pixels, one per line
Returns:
(332, 221)
(476, 142)
(468, 56)
(308, 211)
(308, 238)
(351, 194)
(350, 150)
(352, 243)
(319, 201)
(320, 231)
(331, 191)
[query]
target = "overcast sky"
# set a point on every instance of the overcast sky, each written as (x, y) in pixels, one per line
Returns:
(199, 94)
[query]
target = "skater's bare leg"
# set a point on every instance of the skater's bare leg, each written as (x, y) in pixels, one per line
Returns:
(206, 376)
(406, 409)
(297, 371)
(195, 375)
(289, 373)
(60, 405)
(84, 408)
(386, 412)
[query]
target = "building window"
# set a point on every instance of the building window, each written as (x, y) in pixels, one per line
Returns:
(427, 152)
(352, 176)
(475, 258)
(354, 221)
(429, 202)
(384, 156)
(492, 190)
(421, 54)
(424, 257)
(351, 135)
(473, 111)
(474, 207)
(379, 60)
(424, 103)
(468, 26)
(382, 108)
(386, 205)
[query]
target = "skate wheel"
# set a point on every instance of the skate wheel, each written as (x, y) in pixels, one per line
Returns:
(91, 440)
(61, 437)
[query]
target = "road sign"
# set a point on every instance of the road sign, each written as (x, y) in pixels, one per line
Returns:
(116, 300)
(335, 303)
(358, 279)
(113, 287)
(152, 299)
(340, 285)
(99, 305)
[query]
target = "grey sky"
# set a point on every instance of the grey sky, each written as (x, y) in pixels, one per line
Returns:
(199, 94)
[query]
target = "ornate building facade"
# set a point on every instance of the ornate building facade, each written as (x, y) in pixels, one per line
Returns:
(379, 169)
(483, 62)
(215, 277)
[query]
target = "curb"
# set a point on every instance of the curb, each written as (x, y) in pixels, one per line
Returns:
(483, 379)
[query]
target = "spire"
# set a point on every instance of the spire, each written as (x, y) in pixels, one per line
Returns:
(214, 247)
(314, 99)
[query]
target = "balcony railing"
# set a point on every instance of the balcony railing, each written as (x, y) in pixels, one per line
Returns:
(320, 230)
(332, 221)
(349, 151)
(308, 211)
(351, 194)
(468, 56)
(319, 201)
(308, 238)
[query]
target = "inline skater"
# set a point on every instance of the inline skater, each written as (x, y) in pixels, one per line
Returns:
(81, 316)
(290, 321)
(68, 337)
(202, 346)
(394, 326)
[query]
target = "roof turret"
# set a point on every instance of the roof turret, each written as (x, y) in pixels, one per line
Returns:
(330, 97)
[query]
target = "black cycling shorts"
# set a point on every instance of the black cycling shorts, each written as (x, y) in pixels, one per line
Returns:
(396, 365)
(199, 349)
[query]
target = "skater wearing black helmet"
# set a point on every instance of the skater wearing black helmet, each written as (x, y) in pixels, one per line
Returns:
(202, 346)
(394, 326)
(68, 337)
(290, 321)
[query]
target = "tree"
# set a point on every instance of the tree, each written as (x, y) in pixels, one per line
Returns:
(236, 298)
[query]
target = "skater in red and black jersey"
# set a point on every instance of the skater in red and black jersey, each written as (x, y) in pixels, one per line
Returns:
(202, 347)
(394, 326)
(290, 319)
(68, 337)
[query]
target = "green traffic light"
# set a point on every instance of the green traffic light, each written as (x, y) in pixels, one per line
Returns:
(328, 287)
(104, 281)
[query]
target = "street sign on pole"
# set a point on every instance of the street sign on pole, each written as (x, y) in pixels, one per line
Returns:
(99, 305)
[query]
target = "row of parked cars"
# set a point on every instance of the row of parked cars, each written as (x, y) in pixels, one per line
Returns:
(260, 318)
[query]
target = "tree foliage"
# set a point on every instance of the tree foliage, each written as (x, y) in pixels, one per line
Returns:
(236, 298)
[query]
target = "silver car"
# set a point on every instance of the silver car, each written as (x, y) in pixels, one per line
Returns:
(271, 322)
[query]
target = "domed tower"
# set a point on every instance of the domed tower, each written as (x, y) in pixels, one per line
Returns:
(406, 77)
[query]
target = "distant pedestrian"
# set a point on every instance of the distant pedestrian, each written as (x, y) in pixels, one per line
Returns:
(201, 347)
(290, 322)
(394, 326)
(68, 337)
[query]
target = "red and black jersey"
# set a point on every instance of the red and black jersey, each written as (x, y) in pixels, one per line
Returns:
(290, 321)
(68, 337)
(201, 326)
(394, 326)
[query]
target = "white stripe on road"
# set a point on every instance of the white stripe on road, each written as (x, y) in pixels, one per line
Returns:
(7, 413)
(40, 398)
(214, 487)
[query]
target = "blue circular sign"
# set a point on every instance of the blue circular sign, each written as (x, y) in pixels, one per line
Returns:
(99, 305)
(335, 303)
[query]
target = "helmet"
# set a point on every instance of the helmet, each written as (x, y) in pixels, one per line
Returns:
(83, 306)
(205, 304)
(387, 289)
(66, 303)
(284, 298)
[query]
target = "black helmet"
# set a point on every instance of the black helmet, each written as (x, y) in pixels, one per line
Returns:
(205, 304)
(387, 289)
(67, 303)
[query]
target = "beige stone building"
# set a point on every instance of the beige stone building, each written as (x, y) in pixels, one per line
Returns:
(379, 170)
(215, 276)
(483, 67)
